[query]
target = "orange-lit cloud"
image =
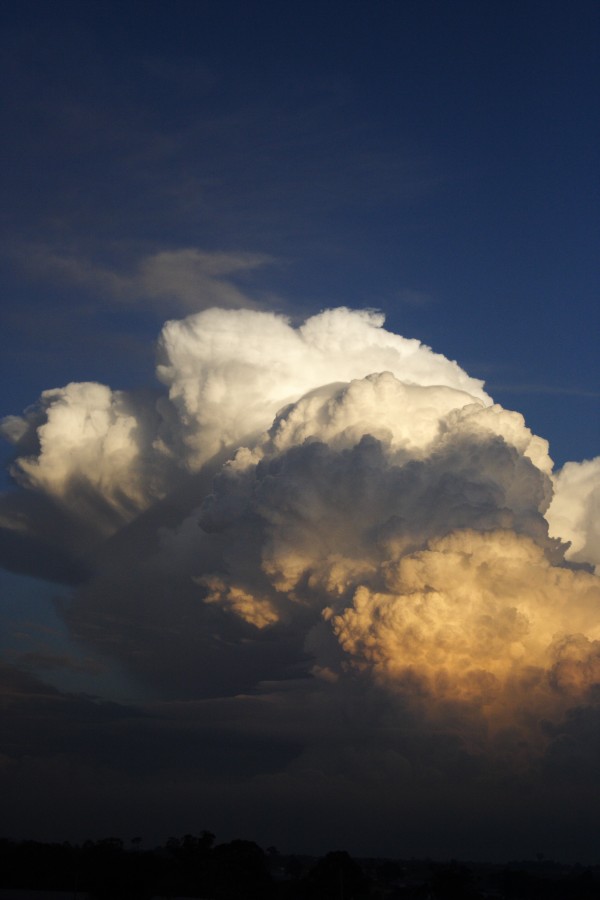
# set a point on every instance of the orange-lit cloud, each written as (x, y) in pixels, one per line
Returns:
(479, 621)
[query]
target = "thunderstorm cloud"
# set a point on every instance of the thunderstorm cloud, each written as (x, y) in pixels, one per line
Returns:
(327, 545)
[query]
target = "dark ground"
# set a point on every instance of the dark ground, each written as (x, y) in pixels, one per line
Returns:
(193, 866)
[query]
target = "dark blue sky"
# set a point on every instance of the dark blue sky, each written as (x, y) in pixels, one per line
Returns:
(434, 160)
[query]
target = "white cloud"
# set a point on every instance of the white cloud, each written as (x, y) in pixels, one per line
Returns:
(229, 372)
(89, 450)
(575, 510)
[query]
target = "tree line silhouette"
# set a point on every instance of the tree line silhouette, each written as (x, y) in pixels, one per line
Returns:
(193, 866)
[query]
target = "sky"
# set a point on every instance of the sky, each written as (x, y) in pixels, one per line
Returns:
(300, 491)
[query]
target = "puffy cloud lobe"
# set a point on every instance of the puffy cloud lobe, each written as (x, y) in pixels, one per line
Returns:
(88, 449)
(320, 500)
(255, 610)
(407, 416)
(230, 371)
(574, 513)
(480, 619)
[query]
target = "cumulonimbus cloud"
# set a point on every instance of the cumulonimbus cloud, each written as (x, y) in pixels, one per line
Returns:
(331, 501)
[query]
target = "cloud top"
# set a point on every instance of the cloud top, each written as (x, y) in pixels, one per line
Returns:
(228, 372)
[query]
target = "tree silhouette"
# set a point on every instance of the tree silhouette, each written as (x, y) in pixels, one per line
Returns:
(337, 877)
(239, 870)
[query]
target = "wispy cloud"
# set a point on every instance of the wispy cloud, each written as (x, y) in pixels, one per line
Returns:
(414, 298)
(176, 280)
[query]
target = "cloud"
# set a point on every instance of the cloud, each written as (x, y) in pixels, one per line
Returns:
(88, 449)
(321, 498)
(327, 546)
(575, 510)
(478, 624)
(229, 372)
(103, 454)
(177, 280)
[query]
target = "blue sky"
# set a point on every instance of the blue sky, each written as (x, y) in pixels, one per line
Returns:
(435, 161)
